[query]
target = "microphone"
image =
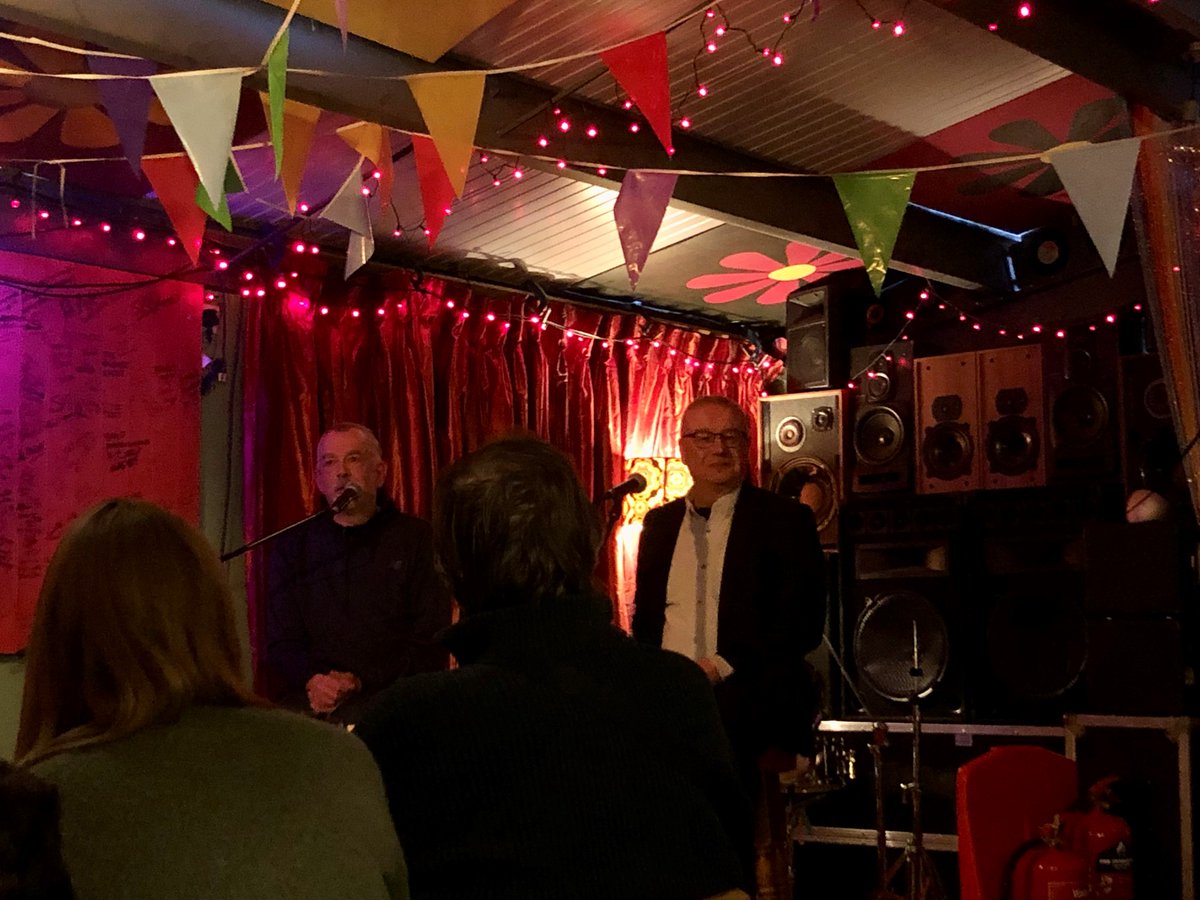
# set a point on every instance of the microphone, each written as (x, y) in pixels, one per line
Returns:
(634, 484)
(348, 495)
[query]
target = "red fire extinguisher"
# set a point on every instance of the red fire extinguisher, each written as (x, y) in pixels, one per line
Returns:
(1107, 844)
(1051, 871)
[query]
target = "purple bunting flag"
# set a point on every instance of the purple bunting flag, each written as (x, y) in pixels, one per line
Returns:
(127, 101)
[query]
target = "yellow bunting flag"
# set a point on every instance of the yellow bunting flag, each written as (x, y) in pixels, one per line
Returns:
(375, 143)
(299, 120)
(874, 203)
(417, 27)
(450, 106)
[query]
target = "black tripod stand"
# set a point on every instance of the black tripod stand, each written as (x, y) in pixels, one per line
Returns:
(904, 671)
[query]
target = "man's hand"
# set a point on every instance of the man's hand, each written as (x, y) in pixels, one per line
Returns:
(710, 669)
(327, 691)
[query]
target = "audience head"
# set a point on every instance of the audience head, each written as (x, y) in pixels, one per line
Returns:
(134, 624)
(713, 442)
(348, 454)
(31, 863)
(512, 524)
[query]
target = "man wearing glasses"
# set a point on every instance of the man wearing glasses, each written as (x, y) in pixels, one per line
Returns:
(732, 576)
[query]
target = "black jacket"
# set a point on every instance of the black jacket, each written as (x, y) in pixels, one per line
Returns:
(561, 760)
(363, 599)
(771, 613)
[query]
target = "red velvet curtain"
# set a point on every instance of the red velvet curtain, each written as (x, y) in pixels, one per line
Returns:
(439, 369)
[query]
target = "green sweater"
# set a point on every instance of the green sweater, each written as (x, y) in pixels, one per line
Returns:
(228, 803)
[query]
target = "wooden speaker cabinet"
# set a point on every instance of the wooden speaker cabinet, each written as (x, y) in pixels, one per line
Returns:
(947, 424)
(1013, 417)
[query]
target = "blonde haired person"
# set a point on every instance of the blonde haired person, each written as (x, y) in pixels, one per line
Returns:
(176, 780)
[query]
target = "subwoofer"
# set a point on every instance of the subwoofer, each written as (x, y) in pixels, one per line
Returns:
(947, 423)
(883, 413)
(1013, 413)
(803, 452)
(1081, 402)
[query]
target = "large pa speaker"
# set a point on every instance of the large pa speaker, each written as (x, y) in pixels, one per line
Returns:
(1012, 417)
(882, 438)
(947, 423)
(1149, 449)
(803, 452)
(814, 341)
(1082, 406)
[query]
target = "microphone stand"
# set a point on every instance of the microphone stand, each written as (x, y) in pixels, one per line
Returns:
(246, 548)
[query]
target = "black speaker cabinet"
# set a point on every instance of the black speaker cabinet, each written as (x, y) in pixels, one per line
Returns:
(803, 453)
(1012, 417)
(883, 418)
(1149, 450)
(813, 341)
(947, 426)
(1082, 405)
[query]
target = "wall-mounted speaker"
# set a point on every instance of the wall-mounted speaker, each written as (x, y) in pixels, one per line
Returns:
(1012, 417)
(1149, 449)
(947, 423)
(813, 341)
(882, 438)
(803, 453)
(1082, 406)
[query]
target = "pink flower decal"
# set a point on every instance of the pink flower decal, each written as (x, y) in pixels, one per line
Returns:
(759, 272)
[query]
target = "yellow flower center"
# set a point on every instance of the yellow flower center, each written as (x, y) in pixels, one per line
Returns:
(792, 273)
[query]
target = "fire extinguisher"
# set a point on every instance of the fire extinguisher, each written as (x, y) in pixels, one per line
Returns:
(1107, 843)
(1051, 871)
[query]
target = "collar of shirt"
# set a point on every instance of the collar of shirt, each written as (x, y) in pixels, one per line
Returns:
(722, 507)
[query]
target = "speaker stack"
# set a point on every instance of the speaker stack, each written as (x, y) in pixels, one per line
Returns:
(1013, 413)
(947, 426)
(803, 447)
(883, 413)
(1082, 404)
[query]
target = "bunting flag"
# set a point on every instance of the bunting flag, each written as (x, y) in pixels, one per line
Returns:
(299, 121)
(233, 185)
(640, 67)
(127, 101)
(1099, 179)
(203, 108)
(375, 143)
(277, 95)
(175, 181)
(415, 27)
(343, 17)
(639, 212)
(874, 205)
(358, 252)
(437, 193)
(450, 107)
(348, 207)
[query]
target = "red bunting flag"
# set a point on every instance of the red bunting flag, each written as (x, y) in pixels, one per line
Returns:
(174, 181)
(640, 67)
(437, 193)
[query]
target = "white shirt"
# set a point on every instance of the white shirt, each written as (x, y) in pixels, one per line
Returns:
(694, 584)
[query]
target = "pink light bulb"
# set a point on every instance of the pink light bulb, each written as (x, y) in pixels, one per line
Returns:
(534, 320)
(396, 232)
(518, 174)
(1137, 307)
(261, 292)
(562, 163)
(977, 327)
(592, 131)
(1036, 329)
(298, 247)
(249, 276)
(1060, 333)
(246, 292)
(711, 47)
(366, 191)
(766, 51)
(491, 317)
(702, 90)
(495, 182)
(105, 227)
(355, 313)
(569, 333)
(223, 265)
(1110, 319)
(1003, 331)
(14, 203)
(924, 295)
(777, 60)
(483, 157)
(909, 314)
(171, 242)
(506, 326)
(465, 314)
(685, 122)
(708, 14)
(139, 235)
(564, 126)
(876, 24)
(543, 141)
(314, 249)
(993, 26)
(281, 284)
(44, 214)
(381, 312)
(376, 174)
(898, 29)
(602, 171)
(77, 222)
(304, 207)
(720, 31)
(628, 104)
(324, 310)
(1025, 10)
(634, 127)
(449, 304)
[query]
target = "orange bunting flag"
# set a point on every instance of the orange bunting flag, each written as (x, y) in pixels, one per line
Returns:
(375, 143)
(174, 180)
(640, 67)
(436, 191)
(450, 106)
(299, 121)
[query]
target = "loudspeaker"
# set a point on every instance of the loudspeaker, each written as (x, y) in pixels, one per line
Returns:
(803, 450)
(894, 576)
(1082, 406)
(1012, 417)
(1149, 450)
(814, 341)
(883, 414)
(947, 423)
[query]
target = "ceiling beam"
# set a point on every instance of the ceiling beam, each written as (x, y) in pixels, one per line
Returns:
(187, 34)
(1121, 45)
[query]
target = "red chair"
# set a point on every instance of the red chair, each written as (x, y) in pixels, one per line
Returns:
(1001, 799)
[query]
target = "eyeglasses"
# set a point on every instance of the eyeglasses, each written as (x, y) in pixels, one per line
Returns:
(731, 438)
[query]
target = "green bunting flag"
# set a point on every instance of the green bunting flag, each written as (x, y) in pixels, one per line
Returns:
(874, 203)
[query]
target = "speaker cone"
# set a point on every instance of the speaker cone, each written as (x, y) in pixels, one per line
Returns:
(1012, 445)
(1155, 399)
(1036, 644)
(947, 451)
(901, 646)
(811, 482)
(879, 436)
(790, 434)
(1080, 417)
